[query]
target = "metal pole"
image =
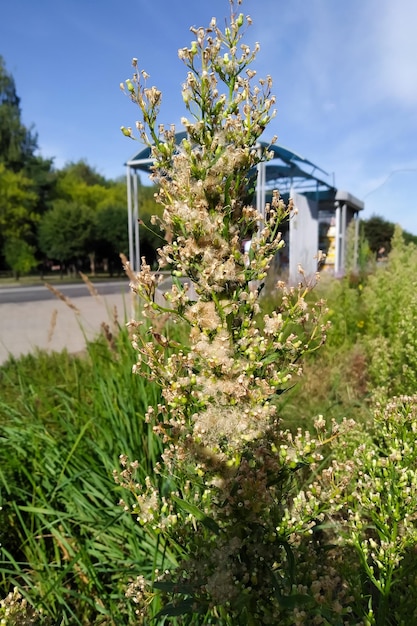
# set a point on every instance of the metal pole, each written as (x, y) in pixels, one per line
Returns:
(356, 244)
(259, 189)
(136, 223)
(263, 188)
(337, 241)
(292, 241)
(343, 239)
(129, 212)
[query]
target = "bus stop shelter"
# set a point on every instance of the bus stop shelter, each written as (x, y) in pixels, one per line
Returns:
(316, 235)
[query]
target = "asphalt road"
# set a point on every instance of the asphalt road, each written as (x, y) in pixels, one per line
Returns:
(38, 293)
(33, 318)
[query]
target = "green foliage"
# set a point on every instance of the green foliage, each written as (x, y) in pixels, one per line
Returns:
(231, 485)
(102, 216)
(112, 235)
(80, 173)
(43, 180)
(17, 202)
(359, 255)
(389, 306)
(25, 179)
(341, 558)
(379, 233)
(31, 191)
(18, 219)
(17, 143)
(225, 516)
(371, 344)
(67, 231)
(81, 184)
(345, 311)
(372, 495)
(20, 256)
(148, 205)
(65, 542)
(151, 239)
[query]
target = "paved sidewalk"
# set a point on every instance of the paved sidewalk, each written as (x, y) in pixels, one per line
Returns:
(53, 326)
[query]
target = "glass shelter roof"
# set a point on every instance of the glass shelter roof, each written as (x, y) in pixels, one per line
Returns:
(288, 172)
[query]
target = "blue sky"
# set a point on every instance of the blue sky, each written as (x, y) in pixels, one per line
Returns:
(345, 78)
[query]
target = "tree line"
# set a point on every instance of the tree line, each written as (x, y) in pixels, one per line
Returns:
(69, 218)
(74, 218)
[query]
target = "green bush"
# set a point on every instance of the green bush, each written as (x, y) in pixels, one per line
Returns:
(390, 309)
(219, 514)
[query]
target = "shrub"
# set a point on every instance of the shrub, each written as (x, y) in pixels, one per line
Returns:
(390, 307)
(371, 490)
(228, 468)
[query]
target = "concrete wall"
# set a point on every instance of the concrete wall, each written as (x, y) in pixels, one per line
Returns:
(303, 238)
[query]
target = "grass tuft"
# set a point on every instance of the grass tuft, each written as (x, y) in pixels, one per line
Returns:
(65, 542)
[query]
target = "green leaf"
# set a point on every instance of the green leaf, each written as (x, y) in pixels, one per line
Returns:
(180, 608)
(296, 600)
(291, 560)
(37, 510)
(172, 587)
(199, 515)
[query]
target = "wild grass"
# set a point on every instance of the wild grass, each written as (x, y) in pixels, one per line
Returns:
(335, 382)
(67, 544)
(65, 541)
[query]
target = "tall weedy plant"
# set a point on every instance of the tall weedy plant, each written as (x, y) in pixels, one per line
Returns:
(221, 497)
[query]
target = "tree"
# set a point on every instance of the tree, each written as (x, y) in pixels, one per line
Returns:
(18, 216)
(112, 236)
(379, 233)
(81, 171)
(26, 181)
(78, 182)
(147, 202)
(17, 143)
(67, 232)
(43, 177)
(150, 239)
(112, 225)
(17, 201)
(20, 256)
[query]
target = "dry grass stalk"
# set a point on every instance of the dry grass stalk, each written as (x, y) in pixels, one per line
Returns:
(64, 299)
(52, 325)
(127, 268)
(115, 319)
(93, 291)
(105, 329)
